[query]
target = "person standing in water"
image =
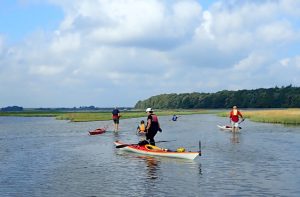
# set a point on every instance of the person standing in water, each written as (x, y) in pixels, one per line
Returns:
(116, 118)
(141, 128)
(152, 126)
(234, 118)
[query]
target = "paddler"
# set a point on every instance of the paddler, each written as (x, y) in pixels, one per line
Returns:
(152, 126)
(174, 118)
(234, 118)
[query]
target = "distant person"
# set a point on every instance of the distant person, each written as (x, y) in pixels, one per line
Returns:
(174, 118)
(234, 118)
(141, 129)
(152, 126)
(116, 117)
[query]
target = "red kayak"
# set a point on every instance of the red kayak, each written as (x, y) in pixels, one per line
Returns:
(97, 131)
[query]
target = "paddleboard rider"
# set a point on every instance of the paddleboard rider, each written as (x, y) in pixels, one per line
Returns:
(234, 118)
(152, 126)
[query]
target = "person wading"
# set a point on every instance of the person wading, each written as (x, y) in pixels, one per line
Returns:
(152, 126)
(234, 118)
(116, 118)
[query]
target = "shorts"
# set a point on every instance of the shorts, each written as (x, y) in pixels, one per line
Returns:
(235, 124)
(116, 121)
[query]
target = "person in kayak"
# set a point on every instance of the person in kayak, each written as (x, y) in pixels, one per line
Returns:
(174, 118)
(116, 117)
(152, 126)
(141, 128)
(234, 118)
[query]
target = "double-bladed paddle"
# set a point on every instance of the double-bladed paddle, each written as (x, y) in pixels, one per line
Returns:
(124, 145)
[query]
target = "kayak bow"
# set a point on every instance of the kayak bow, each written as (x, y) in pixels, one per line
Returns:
(97, 131)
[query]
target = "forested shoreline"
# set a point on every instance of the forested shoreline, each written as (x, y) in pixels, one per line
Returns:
(283, 97)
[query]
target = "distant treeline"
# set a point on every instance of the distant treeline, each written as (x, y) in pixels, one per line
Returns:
(61, 109)
(284, 97)
(11, 109)
(82, 108)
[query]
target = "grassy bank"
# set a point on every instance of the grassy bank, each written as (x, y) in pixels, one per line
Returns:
(32, 113)
(281, 116)
(99, 116)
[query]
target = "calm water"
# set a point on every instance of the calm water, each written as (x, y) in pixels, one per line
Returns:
(48, 157)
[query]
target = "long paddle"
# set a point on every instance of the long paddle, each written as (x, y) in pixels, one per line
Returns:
(242, 120)
(124, 145)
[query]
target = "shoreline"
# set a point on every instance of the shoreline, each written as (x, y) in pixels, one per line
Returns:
(101, 116)
(276, 116)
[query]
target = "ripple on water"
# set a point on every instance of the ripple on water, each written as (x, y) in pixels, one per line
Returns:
(45, 157)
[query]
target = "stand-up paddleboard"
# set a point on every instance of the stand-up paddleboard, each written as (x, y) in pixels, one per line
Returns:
(226, 127)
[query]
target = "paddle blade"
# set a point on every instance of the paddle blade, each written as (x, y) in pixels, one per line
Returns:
(165, 141)
(122, 145)
(199, 148)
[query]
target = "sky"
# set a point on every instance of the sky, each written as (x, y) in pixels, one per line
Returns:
(105, 53)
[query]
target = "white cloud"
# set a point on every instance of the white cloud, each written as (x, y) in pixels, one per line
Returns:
(1, 44)
(140, 48)
(279, 31)
(45, 70)
(251, 64)
(65, 43)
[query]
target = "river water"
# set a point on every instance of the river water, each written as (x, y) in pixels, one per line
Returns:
(48, 157)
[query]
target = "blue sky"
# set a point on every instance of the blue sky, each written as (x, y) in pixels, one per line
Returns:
(65, 53)
(20, 19)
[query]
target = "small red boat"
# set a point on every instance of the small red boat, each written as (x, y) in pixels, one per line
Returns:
(97, 131)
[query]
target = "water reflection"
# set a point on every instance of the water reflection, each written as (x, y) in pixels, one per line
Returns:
(200, 169)
(152, 166)
(235, 139)
(48, 163)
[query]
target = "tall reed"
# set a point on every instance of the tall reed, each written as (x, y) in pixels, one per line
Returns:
(282, 116)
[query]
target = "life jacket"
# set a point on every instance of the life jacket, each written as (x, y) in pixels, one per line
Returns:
(154, 124)
(154, 118)
(142, 127)
(234, 115)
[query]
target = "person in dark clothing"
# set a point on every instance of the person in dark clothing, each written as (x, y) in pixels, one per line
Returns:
(152, 126)
(116, 116)
(174, 118)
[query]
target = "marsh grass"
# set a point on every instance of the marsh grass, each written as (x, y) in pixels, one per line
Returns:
(101, 116)
(281, 116)
(98, 116)
(32, 113)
